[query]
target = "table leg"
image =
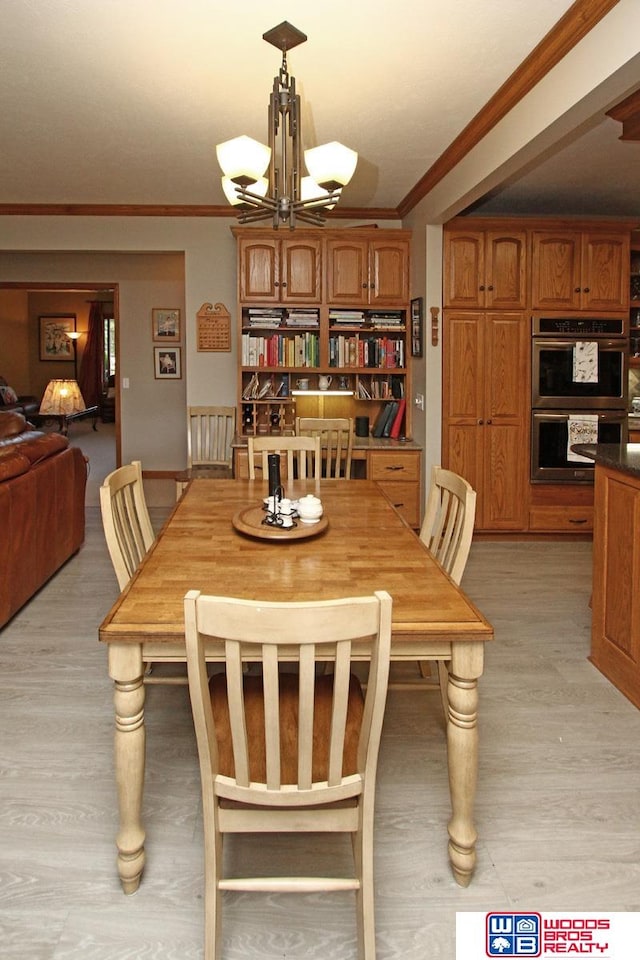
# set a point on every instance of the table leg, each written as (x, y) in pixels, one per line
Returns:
(125, 668)
(462, 744)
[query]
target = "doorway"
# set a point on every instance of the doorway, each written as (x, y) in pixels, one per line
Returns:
(26, 307)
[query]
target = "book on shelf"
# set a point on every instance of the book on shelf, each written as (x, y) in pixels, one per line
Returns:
(394, 433)
(392, 409)
(303, 317)
(382, 425)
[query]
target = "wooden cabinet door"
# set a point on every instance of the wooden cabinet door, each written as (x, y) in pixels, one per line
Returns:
(605, 271)
(347, 272)
(258, 265)
(485, 434)
(556, 271)
(506, 270)
(506, 433)
(301, 271)
(462, 398)
(464, 269)
(388, 272)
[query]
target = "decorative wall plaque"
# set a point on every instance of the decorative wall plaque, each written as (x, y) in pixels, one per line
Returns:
(213, 328)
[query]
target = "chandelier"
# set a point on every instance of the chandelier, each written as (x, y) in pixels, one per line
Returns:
(284, 194)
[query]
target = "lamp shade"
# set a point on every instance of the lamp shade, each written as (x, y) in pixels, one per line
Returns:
(310, 190)
(260, 187)
(243, 159)
(332, 165)
(61, 398)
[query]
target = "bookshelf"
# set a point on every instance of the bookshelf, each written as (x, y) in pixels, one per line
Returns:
(323, 326)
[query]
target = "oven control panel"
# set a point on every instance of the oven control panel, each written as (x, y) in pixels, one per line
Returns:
(578, 327)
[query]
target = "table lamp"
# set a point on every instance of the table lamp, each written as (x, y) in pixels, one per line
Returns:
(61, 398)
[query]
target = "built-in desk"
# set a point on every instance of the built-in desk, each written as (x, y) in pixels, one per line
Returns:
(393, 464)
(615, 631)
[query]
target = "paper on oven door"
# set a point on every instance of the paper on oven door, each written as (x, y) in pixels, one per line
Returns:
(581, 428)
(585, 362)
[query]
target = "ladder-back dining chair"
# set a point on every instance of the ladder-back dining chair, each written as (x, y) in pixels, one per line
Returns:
(129, 534)
(210, 432)
(125, 520)
(446, 531)
(288, 752)
(336, 442)
(299, 456)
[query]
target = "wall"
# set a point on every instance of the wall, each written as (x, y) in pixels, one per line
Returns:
(49, 303)
(14, 340)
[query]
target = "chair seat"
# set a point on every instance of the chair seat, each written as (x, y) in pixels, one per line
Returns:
(288, 701)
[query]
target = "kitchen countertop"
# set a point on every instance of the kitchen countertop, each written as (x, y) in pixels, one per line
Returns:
(617, 456)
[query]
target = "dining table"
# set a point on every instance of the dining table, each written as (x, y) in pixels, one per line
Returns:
(214, 541)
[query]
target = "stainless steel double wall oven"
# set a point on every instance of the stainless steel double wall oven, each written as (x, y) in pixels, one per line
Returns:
(559, 397)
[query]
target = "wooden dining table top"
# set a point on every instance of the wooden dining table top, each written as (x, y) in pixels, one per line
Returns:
(366, 546)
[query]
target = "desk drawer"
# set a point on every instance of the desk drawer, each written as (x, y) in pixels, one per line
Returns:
(406, 499)
(567, 519)
(395, 465)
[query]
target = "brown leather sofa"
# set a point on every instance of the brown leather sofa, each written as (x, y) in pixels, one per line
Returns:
(42, 490)
(28, 406)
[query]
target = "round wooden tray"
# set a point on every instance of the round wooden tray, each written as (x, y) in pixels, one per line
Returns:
(249, 522)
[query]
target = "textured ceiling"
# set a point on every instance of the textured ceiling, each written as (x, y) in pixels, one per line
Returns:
(123, 102)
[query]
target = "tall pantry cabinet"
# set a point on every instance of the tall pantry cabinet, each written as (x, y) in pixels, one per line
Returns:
(496, 275)
(485, 414)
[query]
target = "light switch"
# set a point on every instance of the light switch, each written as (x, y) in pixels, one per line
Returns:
(125, 383)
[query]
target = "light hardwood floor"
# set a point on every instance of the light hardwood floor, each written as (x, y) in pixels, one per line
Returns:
(558, 807)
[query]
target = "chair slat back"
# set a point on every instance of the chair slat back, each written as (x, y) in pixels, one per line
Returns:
(301, 456)
(210, 432)
(336, 442)
(447, 528)
(125, 520)
(302, 634)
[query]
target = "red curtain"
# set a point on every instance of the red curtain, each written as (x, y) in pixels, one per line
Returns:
(90, 376)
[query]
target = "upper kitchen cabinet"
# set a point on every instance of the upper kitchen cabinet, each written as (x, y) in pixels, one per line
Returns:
(485, 268)
(280, 271)
(580, 270)
(367, 271)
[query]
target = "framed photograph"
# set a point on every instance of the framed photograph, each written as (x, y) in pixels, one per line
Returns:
(167, 363)
(54, 342)
(417, 325)
(165, 324)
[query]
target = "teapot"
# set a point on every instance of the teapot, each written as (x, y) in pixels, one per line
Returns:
(324, 382)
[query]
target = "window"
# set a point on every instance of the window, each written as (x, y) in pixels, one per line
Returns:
(109, 350)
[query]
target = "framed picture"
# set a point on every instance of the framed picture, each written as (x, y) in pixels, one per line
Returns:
(54, 342)
(167, 363)
(165, 324)
(417, 323)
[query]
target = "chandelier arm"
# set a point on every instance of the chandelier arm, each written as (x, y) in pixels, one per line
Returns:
(254, 216)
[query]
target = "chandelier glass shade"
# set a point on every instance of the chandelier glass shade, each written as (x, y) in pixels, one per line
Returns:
(284, 194)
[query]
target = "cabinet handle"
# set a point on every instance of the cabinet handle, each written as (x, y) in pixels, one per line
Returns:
(284, 283)
(489, 421)
(586, 290)
(490, 287)
(396, 505)
(395, 467)
(481, 286)
(276, 283)
(584, 520)
(364, 286)
(576, 290)
(480, 421)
